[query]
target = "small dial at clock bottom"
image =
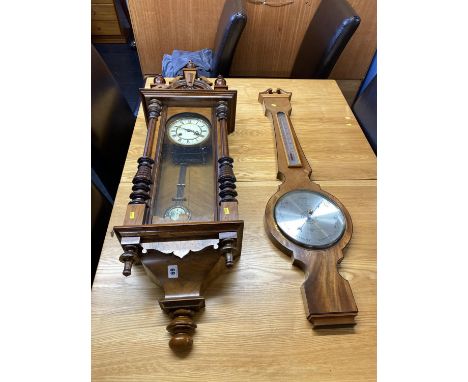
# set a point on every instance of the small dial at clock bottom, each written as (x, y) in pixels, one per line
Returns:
(177, 213)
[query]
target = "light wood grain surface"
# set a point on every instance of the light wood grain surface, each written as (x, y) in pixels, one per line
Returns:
(269, 42)
(254, 326)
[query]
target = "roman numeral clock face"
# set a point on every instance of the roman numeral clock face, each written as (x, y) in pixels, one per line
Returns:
(188, 129)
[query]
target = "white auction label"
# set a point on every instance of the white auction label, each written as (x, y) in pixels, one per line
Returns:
(172, 271)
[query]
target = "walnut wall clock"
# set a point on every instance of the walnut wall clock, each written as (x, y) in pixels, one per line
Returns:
(182, 221)
(308, 223)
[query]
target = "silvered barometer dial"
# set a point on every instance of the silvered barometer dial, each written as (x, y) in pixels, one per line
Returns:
(188, 129)
(309, 218)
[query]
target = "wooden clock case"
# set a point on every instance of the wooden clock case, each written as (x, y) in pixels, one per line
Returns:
(183, 257)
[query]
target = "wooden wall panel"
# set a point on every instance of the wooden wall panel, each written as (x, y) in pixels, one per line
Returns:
(268, 45)
(160, 26)
(272, 38)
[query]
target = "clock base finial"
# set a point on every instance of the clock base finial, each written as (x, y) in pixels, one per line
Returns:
(182, 329)
(128, 258)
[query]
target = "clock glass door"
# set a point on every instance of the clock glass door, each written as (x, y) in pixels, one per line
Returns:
(185, 188)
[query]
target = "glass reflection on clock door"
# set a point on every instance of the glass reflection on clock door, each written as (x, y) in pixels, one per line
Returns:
(185, 190)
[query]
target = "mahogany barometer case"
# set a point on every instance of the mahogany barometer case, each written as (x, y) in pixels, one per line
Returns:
(182, 223)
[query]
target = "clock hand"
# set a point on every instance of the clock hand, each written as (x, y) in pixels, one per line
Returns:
(191, 131)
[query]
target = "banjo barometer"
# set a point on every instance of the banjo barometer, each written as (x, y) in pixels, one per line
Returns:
(308, 223)
(182, 223)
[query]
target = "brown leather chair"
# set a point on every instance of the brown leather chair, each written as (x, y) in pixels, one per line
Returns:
(332, 26)
(231, 24)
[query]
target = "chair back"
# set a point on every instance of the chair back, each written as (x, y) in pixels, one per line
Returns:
(370, 74)
(365, 110)
(332, 26)
(112, 124)
(101, 210)
(231, 24)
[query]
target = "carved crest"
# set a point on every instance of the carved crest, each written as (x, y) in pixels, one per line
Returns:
(189, 80)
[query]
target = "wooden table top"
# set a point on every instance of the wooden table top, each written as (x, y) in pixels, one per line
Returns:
(254, 326)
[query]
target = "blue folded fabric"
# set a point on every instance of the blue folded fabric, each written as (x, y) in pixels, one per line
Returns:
(172, 64)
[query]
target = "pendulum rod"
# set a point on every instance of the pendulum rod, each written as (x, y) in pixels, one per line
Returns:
(181, 184)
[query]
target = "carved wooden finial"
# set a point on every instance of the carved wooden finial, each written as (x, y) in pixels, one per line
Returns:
(190, 65)
(228, 249)
(220, 83)
(190, 73)
(154, 108)
(128, 258)
(159, 82)
(159, 79)
(181, 328)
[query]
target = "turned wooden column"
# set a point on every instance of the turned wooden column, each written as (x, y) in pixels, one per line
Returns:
(143, 179)
(142, 182)
(226, 178)
(128, 258)
(226, 182)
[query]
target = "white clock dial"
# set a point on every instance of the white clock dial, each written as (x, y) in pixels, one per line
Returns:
(188, 129)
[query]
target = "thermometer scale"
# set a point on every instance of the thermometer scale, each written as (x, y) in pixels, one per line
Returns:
(308, 223)
(288, 141)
